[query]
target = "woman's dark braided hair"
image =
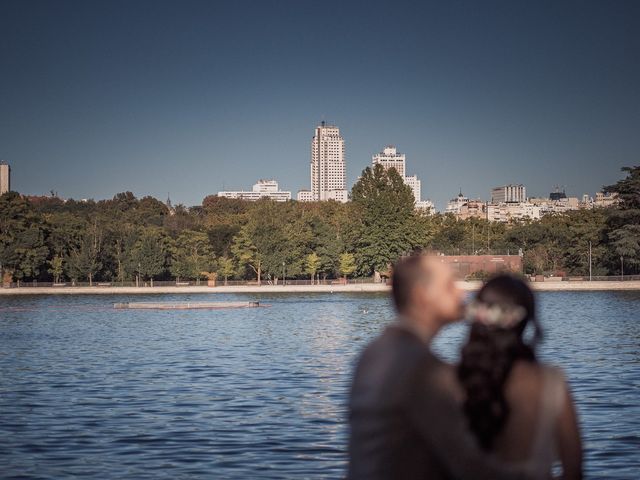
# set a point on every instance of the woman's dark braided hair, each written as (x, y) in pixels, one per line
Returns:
(489, 355)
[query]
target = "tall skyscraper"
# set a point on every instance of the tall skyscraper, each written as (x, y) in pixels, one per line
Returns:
(391, 158)
(327, 164)
(5, 178)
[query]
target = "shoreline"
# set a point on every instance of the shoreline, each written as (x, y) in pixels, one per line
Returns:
(349, 288)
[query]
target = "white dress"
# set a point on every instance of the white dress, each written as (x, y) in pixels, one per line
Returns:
(544, 449)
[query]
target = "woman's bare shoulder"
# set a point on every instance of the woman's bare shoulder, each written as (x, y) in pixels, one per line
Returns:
(530, 376)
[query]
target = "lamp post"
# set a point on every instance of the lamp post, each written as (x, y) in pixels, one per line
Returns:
(473, 238)
(283, 278)
(589, 261)
(622, 267)
(488, 236)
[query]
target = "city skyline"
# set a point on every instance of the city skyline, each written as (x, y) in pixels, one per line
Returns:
(150, 97)
(389, 157)
(270, 188)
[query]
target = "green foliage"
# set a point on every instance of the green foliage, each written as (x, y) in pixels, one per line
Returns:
(57, 268)
(226, 268)
(479, 275)
(624, 222)
(149, 255)
(246, 253)
(23, 252)
(192, 255)
(347, 264)
(45, 238)
(385, 226)
(313, 264)
(83, 261)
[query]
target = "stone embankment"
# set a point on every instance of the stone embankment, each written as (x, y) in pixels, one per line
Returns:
(349, 288)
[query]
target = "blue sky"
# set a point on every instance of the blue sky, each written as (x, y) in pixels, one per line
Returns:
(190, 97)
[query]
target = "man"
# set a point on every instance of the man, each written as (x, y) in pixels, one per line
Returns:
(405, 420)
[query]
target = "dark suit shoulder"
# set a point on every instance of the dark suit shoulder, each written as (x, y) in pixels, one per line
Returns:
(387, 365)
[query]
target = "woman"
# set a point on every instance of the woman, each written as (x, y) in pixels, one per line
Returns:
(517, 408)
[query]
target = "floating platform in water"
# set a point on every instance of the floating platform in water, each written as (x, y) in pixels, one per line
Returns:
(185, 305)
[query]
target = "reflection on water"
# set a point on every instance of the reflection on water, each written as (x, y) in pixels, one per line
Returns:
(88, 391)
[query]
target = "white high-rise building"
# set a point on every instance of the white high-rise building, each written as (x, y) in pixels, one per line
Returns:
(414, 183)
(5, 178)
(327, 164)
(391, 158)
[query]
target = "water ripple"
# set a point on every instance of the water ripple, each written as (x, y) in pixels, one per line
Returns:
(90, 392)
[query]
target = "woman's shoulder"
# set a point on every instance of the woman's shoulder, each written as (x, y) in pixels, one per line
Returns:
(537, 369)
(528, 377)
(553, 374)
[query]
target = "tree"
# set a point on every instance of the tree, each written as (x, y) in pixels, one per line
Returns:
(624, 222)
(537, 260)
(124, 238)
(313, 263)
(192, 256)
(347, 264)
(57, 268)
(149, 256)
(221, 238)
(23, 252)
(226, 268)
(387, 222)
(83, 261)
(246, 253)
(326, 237)
(275, 236)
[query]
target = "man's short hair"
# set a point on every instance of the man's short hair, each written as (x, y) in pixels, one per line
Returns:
(406, 274)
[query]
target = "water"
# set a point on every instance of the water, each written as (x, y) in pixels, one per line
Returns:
(91, 392)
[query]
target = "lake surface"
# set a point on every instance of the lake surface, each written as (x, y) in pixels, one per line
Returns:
(87, 391)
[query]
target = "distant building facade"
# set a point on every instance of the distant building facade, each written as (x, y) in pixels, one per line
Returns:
(413, 182)
(305, 196)
(505, 207)
(557, 194)
(425, 207)
(262, 189)
(462, 207)
(472, 209)
(455, 204)
(506, 212)
(391, 158)
(606, 199)
(5, 178)
(509, 194)
(557, 204)
(328, 169)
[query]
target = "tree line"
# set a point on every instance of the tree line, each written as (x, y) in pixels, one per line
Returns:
(118, 240)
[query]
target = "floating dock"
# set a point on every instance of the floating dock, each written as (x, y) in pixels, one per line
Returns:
(185, 305)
